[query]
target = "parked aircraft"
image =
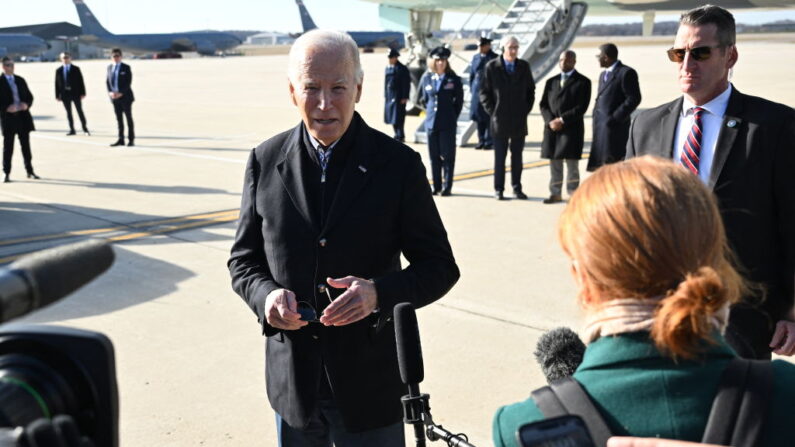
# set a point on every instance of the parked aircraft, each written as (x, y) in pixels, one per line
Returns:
(16, 45)
(203, 42)
(364, 39)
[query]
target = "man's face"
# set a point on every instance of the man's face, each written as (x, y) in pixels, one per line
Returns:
(8, 68)
(485, 48)
(604, 61)
(66, 59)
(511, 51)
(115, 57)
(393, 60)
(566, 62)
(325, 92)
(703, 80)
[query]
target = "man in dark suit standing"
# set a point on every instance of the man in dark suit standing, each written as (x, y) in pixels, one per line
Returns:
(327, 209)
(397, 84)
(741, 146)
(618, 95)
(119, 81)
(565, 100)
(69, 88)
(15, 118)
(476, 111)
(507, 95)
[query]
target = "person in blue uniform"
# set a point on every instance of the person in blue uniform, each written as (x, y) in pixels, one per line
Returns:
(443, 96)
(476, 111)
(397, 83)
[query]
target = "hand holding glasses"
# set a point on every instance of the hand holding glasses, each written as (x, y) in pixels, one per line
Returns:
(307, 311)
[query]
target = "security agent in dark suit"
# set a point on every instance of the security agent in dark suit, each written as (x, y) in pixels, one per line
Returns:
(69, 88)
(327, 209)
(507, 94)
(15, 118)
(476, 111)
(119, 81)
(397, 84)
(563, 105)
(442, 94)
(741, 147)
(618, 95)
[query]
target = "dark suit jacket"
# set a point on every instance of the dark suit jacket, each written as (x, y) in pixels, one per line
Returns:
(616, 99)
(397, 84)
(383, 207)
(125, 82)
(19, 121)
(570, 103)
(508, 98)
(753, 177)
(74, 88)
(442, 106)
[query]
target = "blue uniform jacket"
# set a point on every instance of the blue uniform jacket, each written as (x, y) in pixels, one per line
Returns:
(479, 61)
(442, 106)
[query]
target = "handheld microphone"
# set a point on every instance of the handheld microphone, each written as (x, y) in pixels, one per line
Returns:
(559, 352)
(44, 277)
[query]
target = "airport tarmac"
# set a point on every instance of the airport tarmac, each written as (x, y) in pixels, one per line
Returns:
(189, 354)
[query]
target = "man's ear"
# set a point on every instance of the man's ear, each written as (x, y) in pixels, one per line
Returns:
(292, 91)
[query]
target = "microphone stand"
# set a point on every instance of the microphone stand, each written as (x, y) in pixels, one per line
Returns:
(417, 411)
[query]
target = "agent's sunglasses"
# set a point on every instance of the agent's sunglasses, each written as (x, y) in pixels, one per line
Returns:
(698, 53)
(308, 312)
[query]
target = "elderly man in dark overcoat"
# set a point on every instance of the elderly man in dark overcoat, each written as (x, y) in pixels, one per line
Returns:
(397, 85)
(563, 105)
(328, 208)
(476, 111)
(507, 94)
(15, 118)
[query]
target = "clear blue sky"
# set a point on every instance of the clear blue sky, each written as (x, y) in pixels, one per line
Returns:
(150, 16)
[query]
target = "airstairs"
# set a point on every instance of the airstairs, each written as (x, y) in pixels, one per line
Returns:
(544, 29)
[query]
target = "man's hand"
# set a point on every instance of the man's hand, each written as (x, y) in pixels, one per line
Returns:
(82, 97)
(556, 124)
(356, 303)
(281, 310)
(11, 109)
(621, 441)
(783, 342)
(404, 100)
(23, 106)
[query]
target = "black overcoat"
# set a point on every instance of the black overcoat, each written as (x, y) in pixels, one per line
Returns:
(20, 121)
(569, 103)
(616, 99)
(508, 98)
(397, 83)
(74, 88)
(383, 207)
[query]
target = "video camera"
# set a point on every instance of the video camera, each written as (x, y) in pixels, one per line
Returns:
(57, 385)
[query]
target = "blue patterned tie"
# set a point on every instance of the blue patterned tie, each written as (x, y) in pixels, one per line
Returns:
(692, 149)
(323, 156)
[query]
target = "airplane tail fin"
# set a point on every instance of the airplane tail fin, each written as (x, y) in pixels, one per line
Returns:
(306, 20)
(88, 21)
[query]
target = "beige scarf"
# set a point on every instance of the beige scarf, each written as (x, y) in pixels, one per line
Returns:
(632, 315)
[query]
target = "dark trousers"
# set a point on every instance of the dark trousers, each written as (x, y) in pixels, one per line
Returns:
(400, 119)
(120, 106)
(67, 103)
(484, 133)
(8, 150)
(501, 145)
(441, 149)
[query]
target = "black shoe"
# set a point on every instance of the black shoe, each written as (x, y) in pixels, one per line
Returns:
(7, 179)
(498, 195)
(487, 147)
(131, 144)
(446, 193)
(436, 192)
(33, 175)
(553, 199)
(519, 195)
(85, 131)
(118, 143)
(71, 132)
(479, 146)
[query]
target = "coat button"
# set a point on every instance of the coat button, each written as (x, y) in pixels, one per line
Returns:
(322, 242)
(321, 288)
(315, 337)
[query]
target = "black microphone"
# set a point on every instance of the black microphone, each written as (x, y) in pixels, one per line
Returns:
(559, 352)
(43, 277)
(409, 352)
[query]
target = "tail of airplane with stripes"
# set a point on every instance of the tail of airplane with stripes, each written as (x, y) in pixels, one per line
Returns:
(306, 20)
(88, 21)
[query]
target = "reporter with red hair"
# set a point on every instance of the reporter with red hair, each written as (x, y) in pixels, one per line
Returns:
(656, 280)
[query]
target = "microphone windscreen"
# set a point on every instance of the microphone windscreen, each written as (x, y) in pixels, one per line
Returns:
(56, 272)
(559, 352)
(409, 350)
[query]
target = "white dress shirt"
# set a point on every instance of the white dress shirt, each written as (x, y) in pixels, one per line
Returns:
(711, 121)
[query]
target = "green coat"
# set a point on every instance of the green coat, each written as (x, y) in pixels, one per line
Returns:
(640, 392)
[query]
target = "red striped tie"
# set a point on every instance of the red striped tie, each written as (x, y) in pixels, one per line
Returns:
(692, 149)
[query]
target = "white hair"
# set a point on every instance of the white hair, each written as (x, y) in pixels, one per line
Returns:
(506, 40)
(327, 40)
